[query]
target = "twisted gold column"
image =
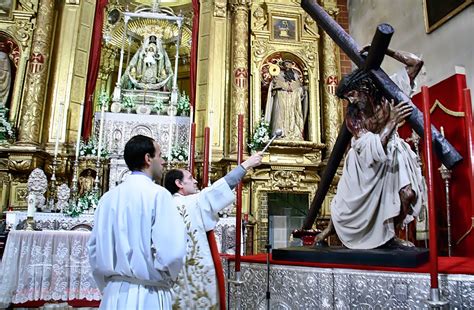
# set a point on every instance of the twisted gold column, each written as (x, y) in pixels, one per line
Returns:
(240, 70)
(330, 78)
(37, 76)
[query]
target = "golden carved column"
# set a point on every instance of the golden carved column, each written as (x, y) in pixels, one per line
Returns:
(107, 65)
(240, 70)
(330, 78)
(37, 76)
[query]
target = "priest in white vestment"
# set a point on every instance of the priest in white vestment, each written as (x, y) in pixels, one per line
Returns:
(138, 244)
(197, 286)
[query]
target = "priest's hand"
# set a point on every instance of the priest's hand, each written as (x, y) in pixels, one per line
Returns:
(253, 161)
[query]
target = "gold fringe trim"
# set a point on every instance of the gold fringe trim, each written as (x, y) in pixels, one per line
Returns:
(445, 109)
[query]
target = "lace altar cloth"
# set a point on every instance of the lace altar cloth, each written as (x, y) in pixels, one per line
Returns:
(52, 221)
(46, 265)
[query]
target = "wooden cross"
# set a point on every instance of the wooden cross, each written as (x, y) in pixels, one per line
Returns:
(371, 64)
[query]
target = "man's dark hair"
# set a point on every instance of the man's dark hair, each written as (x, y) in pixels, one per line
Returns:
(170, 180)
(136, 149)
(361, 81)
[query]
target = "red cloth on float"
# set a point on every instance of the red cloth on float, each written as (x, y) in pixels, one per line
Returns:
(447, 109)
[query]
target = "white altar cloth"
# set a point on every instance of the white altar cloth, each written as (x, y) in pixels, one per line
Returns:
(46, 265)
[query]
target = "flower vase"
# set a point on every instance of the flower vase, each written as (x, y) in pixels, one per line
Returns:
(115, 107)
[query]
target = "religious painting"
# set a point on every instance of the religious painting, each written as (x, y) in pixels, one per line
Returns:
(6, 8)
(284, 28)
(438, 12)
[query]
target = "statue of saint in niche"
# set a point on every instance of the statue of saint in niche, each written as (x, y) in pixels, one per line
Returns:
(150, 67)
(287, 101)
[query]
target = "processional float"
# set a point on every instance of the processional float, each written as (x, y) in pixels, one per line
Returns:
(370, 64)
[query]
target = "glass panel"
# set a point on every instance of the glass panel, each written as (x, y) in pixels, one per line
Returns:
(286, 212)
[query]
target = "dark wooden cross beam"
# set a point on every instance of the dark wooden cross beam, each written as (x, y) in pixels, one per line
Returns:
(446, 152)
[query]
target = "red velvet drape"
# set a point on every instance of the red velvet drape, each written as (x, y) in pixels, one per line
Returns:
(93, 71)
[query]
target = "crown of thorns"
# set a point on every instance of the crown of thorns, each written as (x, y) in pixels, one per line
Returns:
(361, 81)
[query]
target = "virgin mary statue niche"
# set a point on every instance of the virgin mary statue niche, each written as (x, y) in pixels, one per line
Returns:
(150, 67)
(287, 99)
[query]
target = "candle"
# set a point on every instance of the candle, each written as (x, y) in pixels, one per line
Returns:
(79, 129)
(430, 186)
(211, 112)
(205, 168)
(238, 220)
(101, 129)
(58, 128)
(31, 205)
(170, 139)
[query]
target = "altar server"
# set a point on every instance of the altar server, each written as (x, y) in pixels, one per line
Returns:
(138, 243)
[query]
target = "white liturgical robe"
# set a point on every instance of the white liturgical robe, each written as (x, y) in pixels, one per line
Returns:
(197, 288)
(137, 246)
(367, 197)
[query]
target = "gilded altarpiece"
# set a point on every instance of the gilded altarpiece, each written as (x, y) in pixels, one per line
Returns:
(282, 33)
(50, 49)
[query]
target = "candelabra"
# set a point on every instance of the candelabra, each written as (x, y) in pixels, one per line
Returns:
(53, 187)
(98, 166)
(446, 176)
(74, 185)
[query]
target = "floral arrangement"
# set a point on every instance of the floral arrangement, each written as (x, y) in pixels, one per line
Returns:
(159, 105)
(89, 201)
(183, 104)
(103, 99)
(89, 148)
(128, 102)
(260, 136)
(179, 153)
(7, 131)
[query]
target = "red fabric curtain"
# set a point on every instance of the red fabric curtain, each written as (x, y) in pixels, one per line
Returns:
(93, 71)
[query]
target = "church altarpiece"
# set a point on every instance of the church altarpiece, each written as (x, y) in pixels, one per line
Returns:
(277, 34)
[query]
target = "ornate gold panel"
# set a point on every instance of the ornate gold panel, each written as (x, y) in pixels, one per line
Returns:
(277, 179)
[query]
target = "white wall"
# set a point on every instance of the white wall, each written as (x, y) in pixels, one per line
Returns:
(452, 44)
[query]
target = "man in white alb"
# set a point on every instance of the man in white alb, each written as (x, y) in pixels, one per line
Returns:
(196, 287)
(138, 244)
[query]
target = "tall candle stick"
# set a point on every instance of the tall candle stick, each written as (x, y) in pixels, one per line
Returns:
(101, 129)
(58, 128)
(238, 220)
(79, 129)
(170, 142)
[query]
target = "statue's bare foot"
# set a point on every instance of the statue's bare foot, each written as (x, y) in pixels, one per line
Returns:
(397, 243)
(328, 231)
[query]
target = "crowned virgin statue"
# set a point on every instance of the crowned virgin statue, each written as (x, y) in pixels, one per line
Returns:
(150, 67)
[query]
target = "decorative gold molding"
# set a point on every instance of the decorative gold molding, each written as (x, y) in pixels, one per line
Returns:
(438, 104)
(220, 9)
(32, 106)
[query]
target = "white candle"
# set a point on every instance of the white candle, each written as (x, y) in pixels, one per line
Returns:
(170, 142)
(31, 205)
(191, 115)
(59, 127)
(101, 129)
(79, 129)
(211, 112)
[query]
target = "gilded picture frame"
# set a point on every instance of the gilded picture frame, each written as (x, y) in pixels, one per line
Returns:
(437, 12)
(285, 28)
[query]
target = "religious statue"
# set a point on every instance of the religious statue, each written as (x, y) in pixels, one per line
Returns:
(5, 75)
(150, 67)
(37, 186)
(287, 101)
(86, 183)
(381, 187)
